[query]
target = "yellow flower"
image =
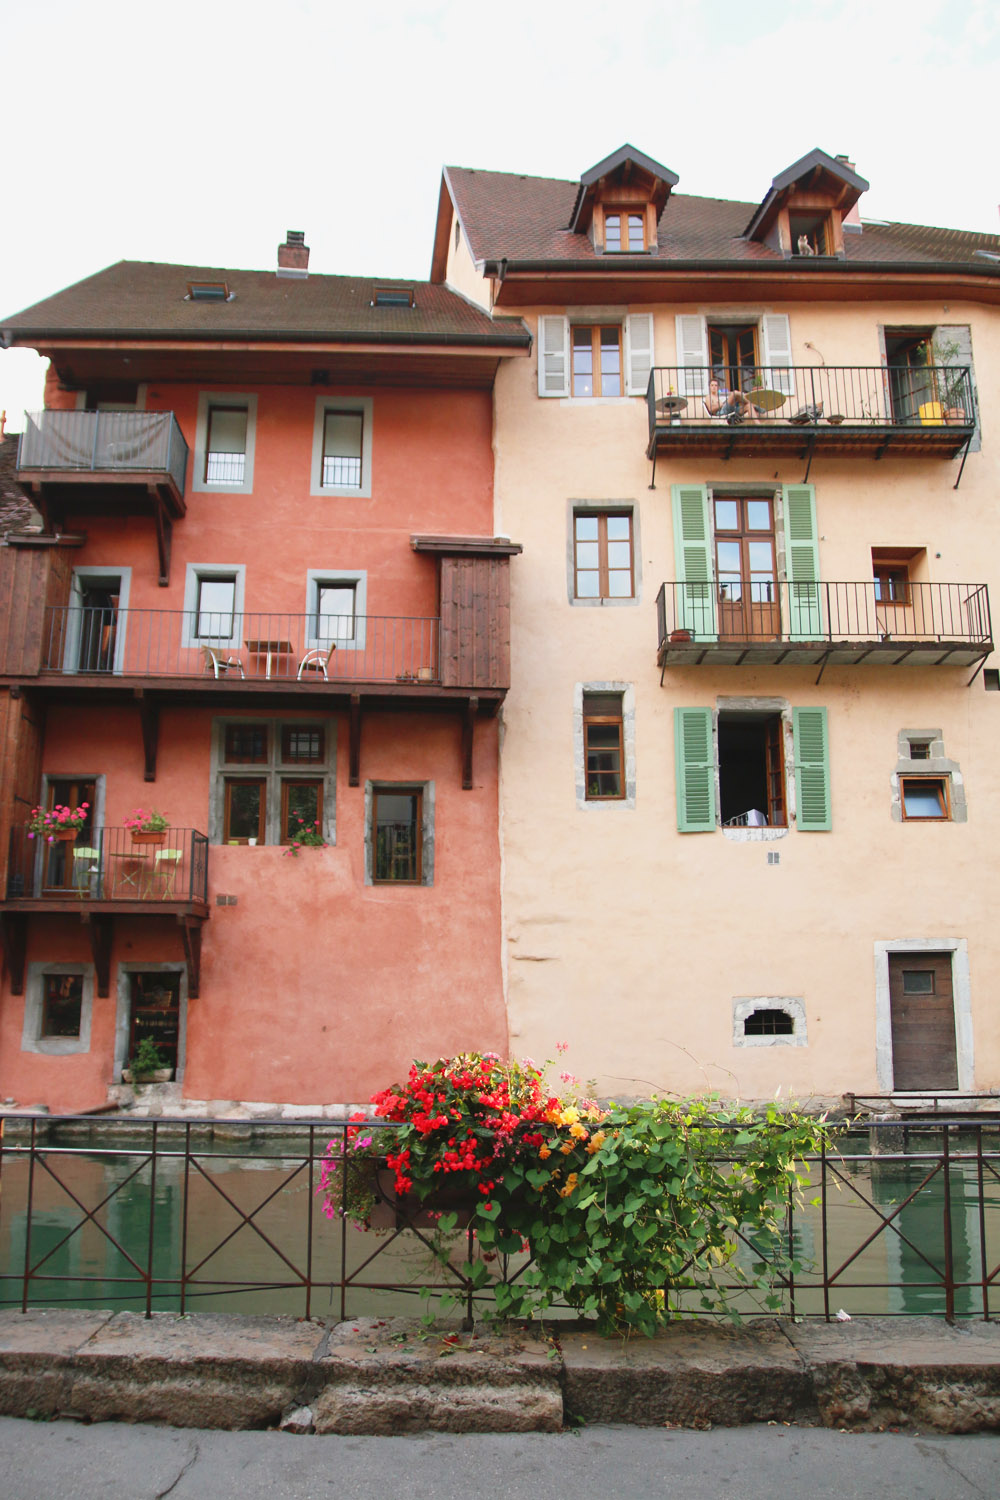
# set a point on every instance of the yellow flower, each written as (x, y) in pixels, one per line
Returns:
(570, 1116)
(578, 1131)
(596, 1142)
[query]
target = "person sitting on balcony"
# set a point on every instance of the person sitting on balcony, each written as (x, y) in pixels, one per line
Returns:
(732, 405)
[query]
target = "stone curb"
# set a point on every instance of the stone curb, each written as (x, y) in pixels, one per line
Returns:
(384, 1376)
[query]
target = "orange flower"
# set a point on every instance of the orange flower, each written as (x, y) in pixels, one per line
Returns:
(596, 1142)
(567, 1148)
(545, 1153)
(578, 1131)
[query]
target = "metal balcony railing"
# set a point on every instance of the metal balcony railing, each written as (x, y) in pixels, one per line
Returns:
(241, 646)
(810, 396)
(810, 613)
(96, 442)
(109, 864)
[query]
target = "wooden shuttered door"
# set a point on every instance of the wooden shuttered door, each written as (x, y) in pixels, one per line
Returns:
(805, 614)
(695, 602)
(694, 758)
(923, 1021)
(475, 622)
(32, 578)
(812, 770)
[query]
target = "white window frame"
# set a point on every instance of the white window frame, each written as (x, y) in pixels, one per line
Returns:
(206, 400)
(32, 1039)
(189, 621)
(356, 578)
(366, 406)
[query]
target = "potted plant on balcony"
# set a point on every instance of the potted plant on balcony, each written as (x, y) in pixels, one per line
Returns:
(147, 1064)
(58, 823)
(147, 827)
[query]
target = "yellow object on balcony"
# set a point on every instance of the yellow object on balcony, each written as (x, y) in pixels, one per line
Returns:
(932, 414)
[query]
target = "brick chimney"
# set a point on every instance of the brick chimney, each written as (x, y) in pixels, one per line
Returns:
(293, 255)
(852, 219)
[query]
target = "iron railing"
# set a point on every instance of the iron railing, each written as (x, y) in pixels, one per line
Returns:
(161, 1213)
(833, 612)
(810, 396)
(109, 864)
(240, 645)
(105, 442)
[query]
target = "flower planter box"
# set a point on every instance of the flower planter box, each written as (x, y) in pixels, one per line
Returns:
(406, 1211)
(150, 836)
(159, 1075)
(62, 835)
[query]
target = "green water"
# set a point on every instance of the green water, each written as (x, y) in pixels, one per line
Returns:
(90, 1237)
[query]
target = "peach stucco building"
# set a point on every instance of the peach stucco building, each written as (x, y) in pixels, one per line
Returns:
(265, 596)
(748, 775)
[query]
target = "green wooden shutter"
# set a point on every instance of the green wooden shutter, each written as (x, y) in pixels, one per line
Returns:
(694, 592)
(694, 758)
(812, 769)
(805, 613)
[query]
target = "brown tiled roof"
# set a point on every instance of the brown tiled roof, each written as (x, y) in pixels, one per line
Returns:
(16, 510)
(524, 219)
(146, 298)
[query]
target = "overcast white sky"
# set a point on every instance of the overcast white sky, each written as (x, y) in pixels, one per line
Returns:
(200, 130)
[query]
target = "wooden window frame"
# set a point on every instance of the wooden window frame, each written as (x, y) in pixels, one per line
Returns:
(941, 784)
(287, 783)
(398, 791)
(230, 782)
(290, 759)
(623, 215)
(603, 716)
(231, 759)
(596, 374)
(603, 569)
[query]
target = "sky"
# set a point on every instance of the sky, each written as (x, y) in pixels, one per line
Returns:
(199, 132)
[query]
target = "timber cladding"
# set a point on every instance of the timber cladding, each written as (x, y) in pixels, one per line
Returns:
(475, 622)
(31, 580)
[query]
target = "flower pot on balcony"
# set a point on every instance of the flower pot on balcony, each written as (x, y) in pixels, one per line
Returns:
(150, 836)
(678, 637)
(835, 419)
(159, 1075)
(955, 415)
(63, 835)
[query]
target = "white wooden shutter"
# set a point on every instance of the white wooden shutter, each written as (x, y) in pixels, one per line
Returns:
(777, 338)
(638, 352)
(553, 356)
(692, 356)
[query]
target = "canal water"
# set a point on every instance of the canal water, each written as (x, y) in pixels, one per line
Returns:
(236, 1216)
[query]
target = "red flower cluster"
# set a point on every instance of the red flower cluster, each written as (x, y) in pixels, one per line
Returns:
(462, 1114)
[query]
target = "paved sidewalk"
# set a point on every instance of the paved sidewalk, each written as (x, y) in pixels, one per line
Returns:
(386, 1376)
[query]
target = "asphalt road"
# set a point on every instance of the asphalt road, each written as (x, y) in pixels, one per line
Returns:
(67, 1461)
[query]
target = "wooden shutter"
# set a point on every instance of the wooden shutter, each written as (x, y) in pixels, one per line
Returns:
(812, 770)
(805, 612)
(777, 337)
(694, 759)
(692, 357)
(553, 357)
(695, 590)
(638, 352)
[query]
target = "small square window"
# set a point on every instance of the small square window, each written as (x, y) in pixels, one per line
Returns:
(924, 797)
(603, 562)
(62, 1005)
(397, 816)
(246, 744)
(303, 743)
(604, 748)
(920, 749)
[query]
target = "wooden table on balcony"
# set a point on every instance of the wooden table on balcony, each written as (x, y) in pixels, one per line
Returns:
(271, 651)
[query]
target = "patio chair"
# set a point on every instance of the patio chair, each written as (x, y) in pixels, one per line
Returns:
(220, 663)
(316, 660)
(166, 863)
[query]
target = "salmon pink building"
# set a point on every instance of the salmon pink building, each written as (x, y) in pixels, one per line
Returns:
(257, 645)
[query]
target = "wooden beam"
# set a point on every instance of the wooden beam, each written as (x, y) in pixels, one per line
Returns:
(99, 928)
(191, 937)
(468, 739)
(354, 763)
(164, 535)
(149, 721)
(13, 940)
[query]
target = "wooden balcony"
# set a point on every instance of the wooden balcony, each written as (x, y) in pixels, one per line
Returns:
(845, 411)
(117, 463)
(824, 624)
(104, 875)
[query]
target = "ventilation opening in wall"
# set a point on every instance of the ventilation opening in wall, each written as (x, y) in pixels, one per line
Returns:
(769, 1022)
(991, 679)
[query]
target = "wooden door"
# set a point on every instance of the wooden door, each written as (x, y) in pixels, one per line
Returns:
(59, 871)
(923, 1021)
(745, 571)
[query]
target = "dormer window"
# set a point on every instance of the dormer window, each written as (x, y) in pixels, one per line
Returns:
(208, 291)
(624, 232)
(811, 234)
